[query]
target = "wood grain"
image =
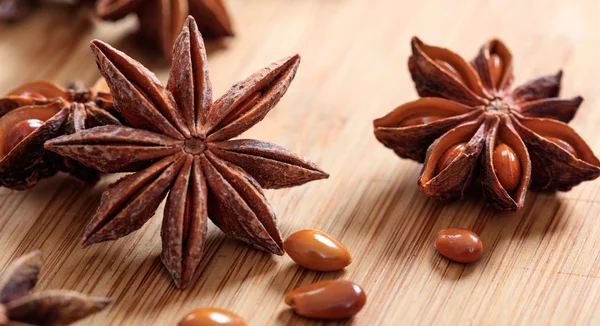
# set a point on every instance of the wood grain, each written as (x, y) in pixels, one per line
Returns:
(541, 265)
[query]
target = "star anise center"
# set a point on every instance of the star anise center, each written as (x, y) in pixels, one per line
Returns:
(194, 146)
(497, 106)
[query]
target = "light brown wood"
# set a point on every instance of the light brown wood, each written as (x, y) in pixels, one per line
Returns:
(541, 265)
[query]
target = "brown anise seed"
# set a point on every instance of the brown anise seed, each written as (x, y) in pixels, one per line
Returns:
(564, 145)
(19, 131)
(448, 68)
(335, 299)
(317, 251)
(33, 95)
(419, 120)
(459, 245)
(507, 167)
(496, 67)
(212, 317)
(449, 155)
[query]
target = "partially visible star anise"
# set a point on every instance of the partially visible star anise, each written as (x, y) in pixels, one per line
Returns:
(54, 307)
(41, 110)
(469, 117)
(161, 20)
(179, 144)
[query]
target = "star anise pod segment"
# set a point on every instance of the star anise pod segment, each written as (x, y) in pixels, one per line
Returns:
(53, 307)
(469, 118)
(179, 144)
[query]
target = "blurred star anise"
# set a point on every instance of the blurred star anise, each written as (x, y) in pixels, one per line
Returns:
(179, 144)
(161, 20)
(54, 307)
(42, 110)
(469, 117)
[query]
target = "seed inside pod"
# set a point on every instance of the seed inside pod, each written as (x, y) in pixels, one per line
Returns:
(16, 133)
(507, 167)
(317, 251)
(212, 317)
(336, 299)
(564, 145)
(496, 67)
(449, 155)
(459, 245)
(448, 68)
(416, 120)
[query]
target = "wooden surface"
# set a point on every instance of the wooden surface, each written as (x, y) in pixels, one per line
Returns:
(540, 266)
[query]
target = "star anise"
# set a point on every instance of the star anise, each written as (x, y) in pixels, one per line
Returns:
(39, 111)
(161, 20)
(54, 307)
(179, 144)
(468, 116)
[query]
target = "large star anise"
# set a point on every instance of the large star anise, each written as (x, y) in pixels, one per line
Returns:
(54, 307)
(468, 116)
(41, 110)
(180, 146)
(161, 20)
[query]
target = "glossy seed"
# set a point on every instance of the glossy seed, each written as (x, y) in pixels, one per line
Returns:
(496, 67)
(212, 317)
(449, 69)
(419, 120)
(564, 145)
(459, 245)
(19, 131)
(33, 95)
(317, 251)
(507, 167)
(449, 155)
(336, 299)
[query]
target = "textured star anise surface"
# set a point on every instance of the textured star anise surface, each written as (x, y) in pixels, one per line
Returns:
(468, 117)
(63, 111)
(161, 20)
(179, 144)
(54, 307)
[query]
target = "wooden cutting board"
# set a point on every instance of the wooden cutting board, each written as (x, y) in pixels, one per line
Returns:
(541, 265)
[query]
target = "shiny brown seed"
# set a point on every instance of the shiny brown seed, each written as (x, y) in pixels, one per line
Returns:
(212, 317)
(19, 131)
(507, 167)
(496, 67)
(317, 251)
(449, 155)
(336, 299)
(449, 69)
(460, 245)
(419, 120)
(33, 95)
(564, 145)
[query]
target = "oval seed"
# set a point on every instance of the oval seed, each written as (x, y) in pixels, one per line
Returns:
(212, 317)
(419, 120)
(19, 131)
(496, 69)
(336, 299)
(33, 95)
(507, 167)
(460, 245)
(564, 145)
(317, 251)
(449, 155)
(449, 69)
